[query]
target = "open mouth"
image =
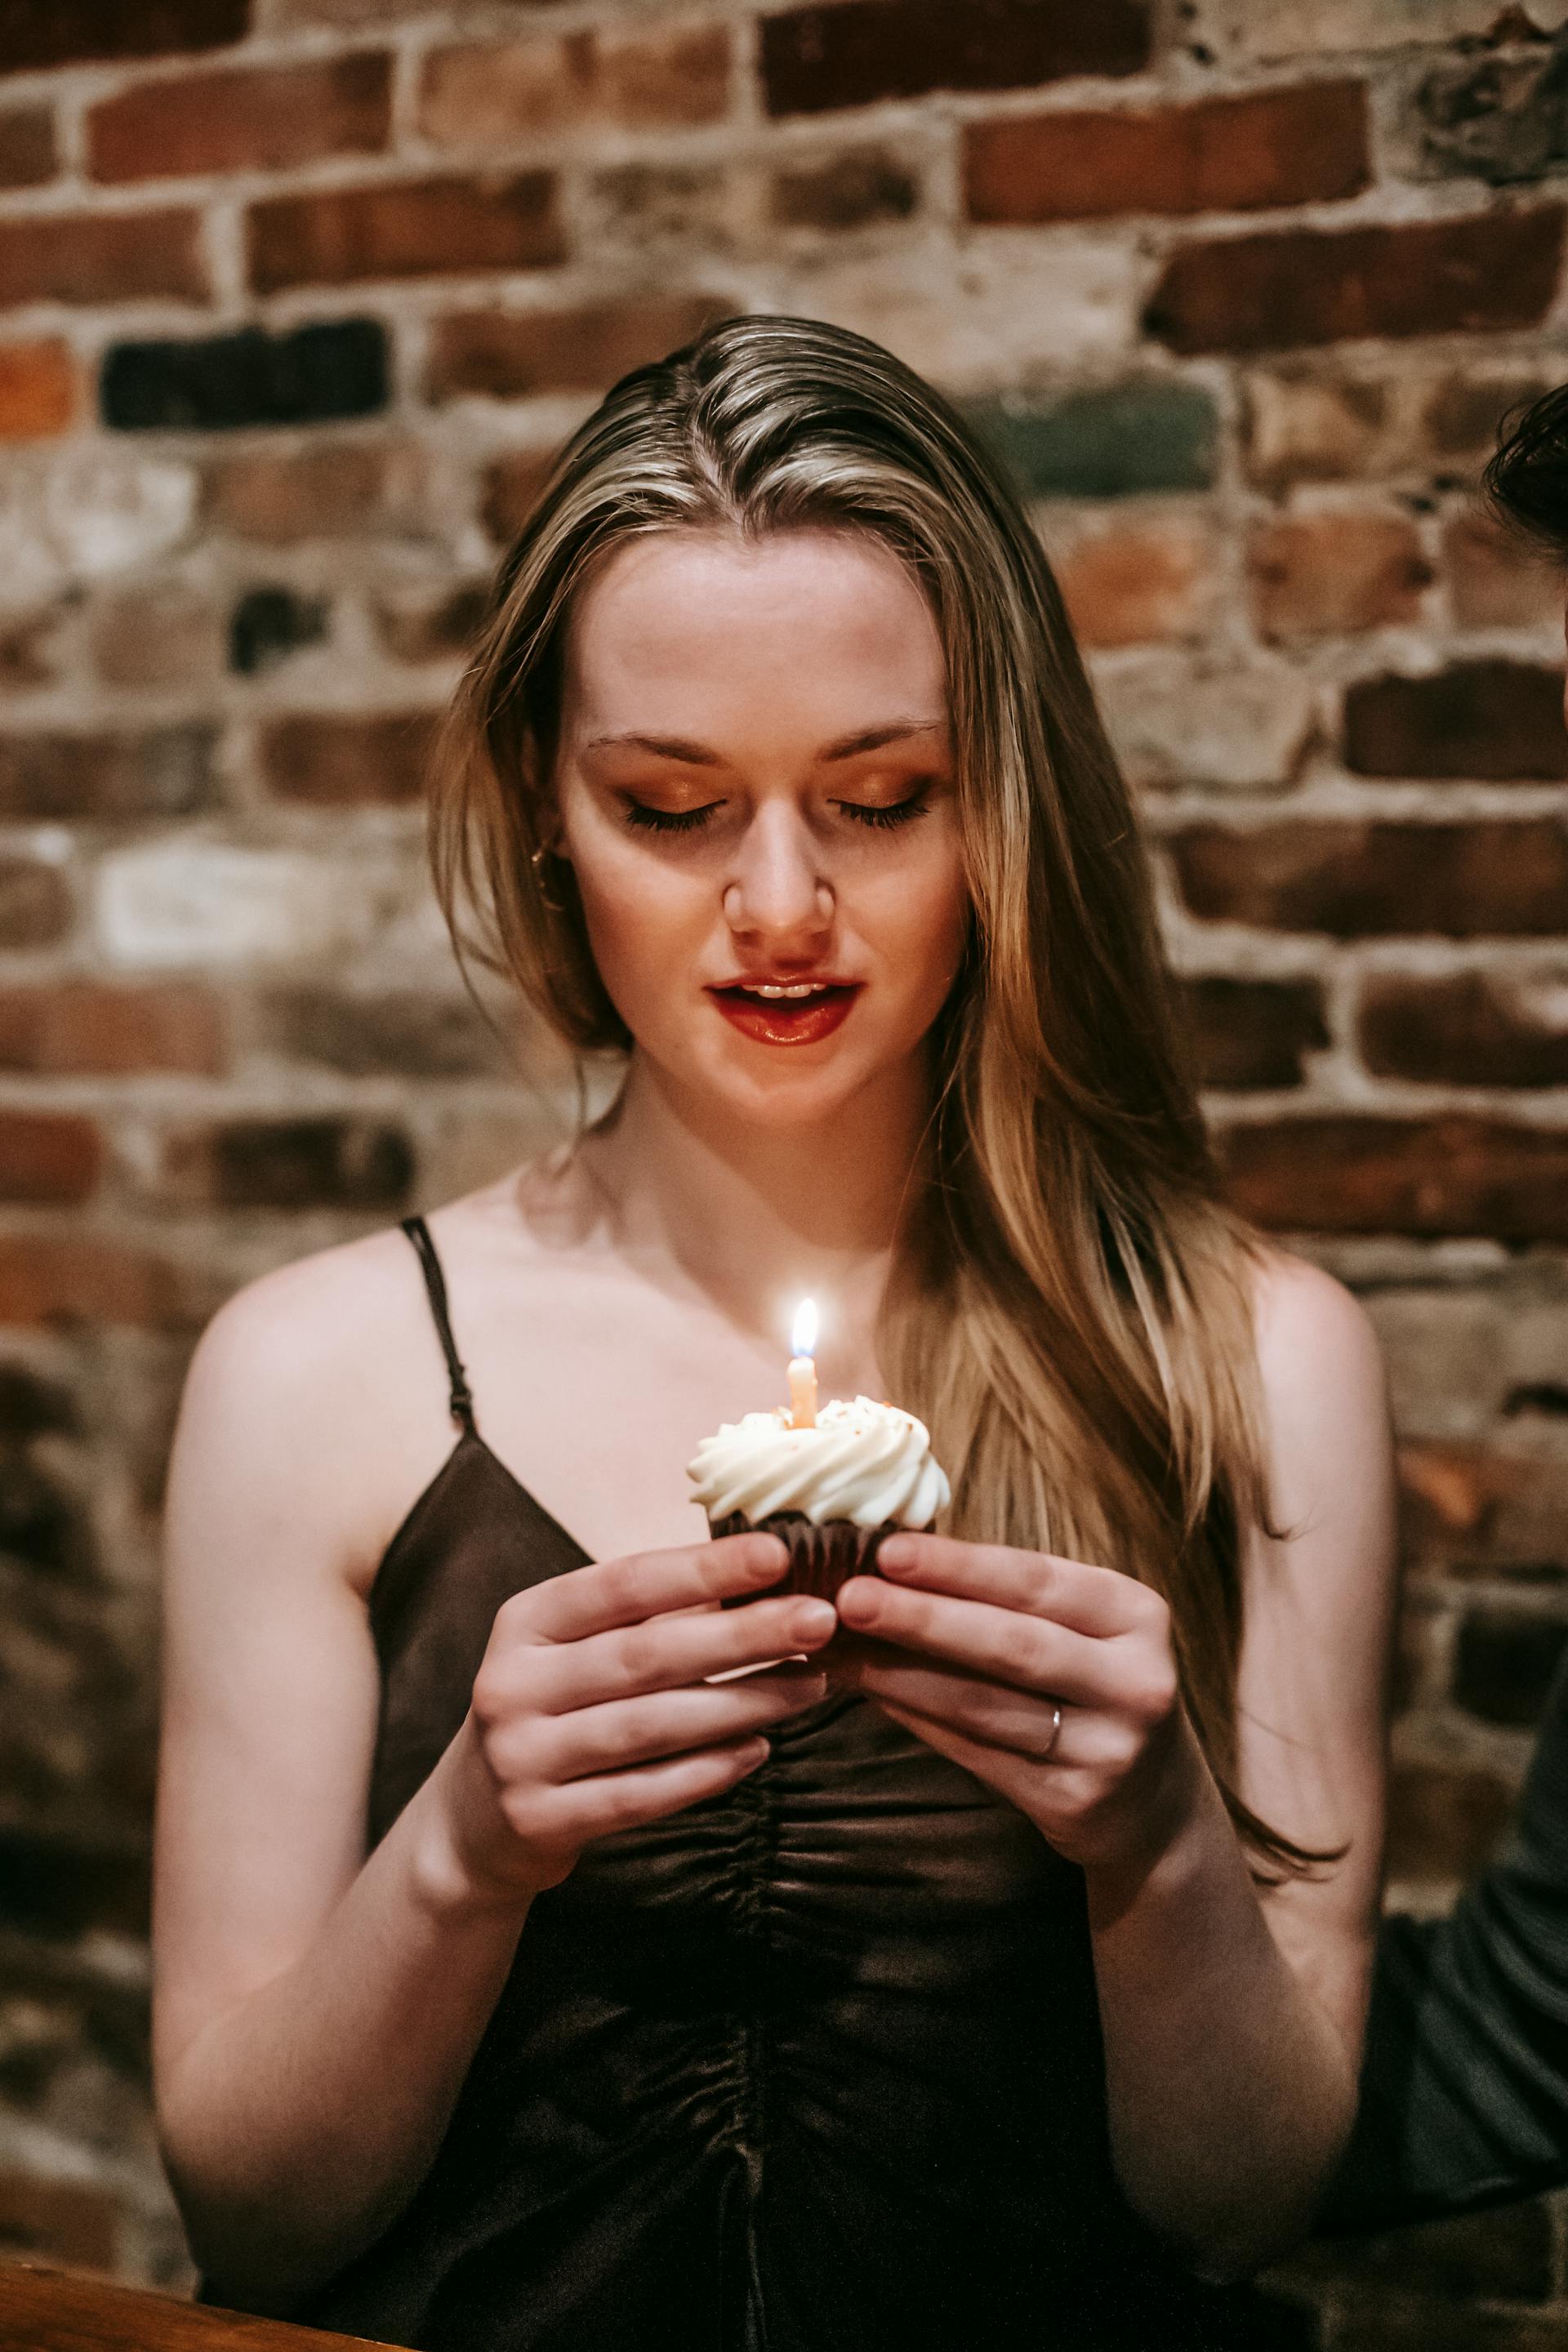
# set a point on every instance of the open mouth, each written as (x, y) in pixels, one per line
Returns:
(794, 1013)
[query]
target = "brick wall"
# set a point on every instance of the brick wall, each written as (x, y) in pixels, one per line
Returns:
(297, 294)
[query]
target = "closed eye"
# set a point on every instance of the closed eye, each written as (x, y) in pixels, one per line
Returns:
(654, 819)
(891, 812)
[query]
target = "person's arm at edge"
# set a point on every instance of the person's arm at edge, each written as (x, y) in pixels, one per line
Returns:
(1464, 2088)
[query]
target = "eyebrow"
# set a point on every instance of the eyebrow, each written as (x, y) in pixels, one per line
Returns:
(697, 755)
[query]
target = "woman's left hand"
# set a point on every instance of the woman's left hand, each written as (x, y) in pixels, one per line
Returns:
(974, 1647)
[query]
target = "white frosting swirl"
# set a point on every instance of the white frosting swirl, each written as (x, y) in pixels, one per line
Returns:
(864, 1462)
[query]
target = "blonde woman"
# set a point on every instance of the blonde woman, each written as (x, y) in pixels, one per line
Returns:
(520, 1985)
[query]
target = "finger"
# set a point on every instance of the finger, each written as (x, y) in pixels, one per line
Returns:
(612, 1802)
(990, 1713)
(1030, 1653)
(999, 1771)
(667, 1651)
(624, 1591)
(1087, 1599)
(665, 1723)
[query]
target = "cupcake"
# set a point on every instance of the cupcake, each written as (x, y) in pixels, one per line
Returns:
(831, 1489)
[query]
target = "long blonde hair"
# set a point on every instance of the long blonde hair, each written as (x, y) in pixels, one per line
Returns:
(1070, 1305)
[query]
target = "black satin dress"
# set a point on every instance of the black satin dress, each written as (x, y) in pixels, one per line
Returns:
(813, 2066)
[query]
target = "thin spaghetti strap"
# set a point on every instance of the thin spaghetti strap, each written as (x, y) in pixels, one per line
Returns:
(462, 1401)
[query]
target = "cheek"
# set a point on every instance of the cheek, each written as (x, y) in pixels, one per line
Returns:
(646, 923)
(918, 920)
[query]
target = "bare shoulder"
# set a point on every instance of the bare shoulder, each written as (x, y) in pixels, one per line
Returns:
(1325, 1406)
(1318, 1356)
(1304, 1318)
(294, 1390)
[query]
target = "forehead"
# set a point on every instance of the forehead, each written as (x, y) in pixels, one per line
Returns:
(687, 627)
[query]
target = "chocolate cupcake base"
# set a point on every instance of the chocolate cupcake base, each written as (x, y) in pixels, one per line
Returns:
(820, 1556)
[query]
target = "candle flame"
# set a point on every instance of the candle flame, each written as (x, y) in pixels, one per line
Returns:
(803, 1331)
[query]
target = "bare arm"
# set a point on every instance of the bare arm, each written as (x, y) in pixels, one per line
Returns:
(1233, 2016)
(304, 2074)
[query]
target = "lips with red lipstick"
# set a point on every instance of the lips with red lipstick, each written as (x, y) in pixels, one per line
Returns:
(787, 1011)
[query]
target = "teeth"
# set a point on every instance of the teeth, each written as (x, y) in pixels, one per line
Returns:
(763, 987)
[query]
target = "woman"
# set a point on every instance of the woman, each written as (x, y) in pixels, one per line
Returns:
(521, 1985)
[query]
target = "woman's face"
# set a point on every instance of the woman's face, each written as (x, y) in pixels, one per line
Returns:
(755, 790)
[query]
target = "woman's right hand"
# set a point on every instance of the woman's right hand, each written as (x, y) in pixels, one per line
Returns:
(591, 1713)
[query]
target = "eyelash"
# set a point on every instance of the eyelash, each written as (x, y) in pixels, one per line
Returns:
(888, 819)
(654, 819)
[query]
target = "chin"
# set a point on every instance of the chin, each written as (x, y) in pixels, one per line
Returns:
(780, 1099)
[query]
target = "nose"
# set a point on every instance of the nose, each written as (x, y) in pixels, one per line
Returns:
(777, 891)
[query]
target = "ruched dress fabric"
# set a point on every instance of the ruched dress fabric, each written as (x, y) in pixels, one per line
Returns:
(814, 2066)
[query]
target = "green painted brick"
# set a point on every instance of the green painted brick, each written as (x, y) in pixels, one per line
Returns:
(1109, 444)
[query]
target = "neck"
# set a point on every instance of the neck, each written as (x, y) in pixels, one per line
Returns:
(756, 1217)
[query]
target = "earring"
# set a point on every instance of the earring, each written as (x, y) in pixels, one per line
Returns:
(537, 860)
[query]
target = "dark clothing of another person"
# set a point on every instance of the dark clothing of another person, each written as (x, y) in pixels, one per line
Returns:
(1465, 2086)
(814, 2066)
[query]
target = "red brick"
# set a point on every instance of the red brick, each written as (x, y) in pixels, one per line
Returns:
(1302, 286)
(512, 487)
(852, 191)
(1355, 878)
(1474, 1510)
(334, 760)
(75, 32)
(165, 773)
(400, 1033)
(99, 258)
(816, 59)
(38, 389)
(480, 94)
(66, 2221)
(1468, 1029)
(421, 622)
(1252, 1033)
(658, 208)
(680, 76)
(85, 1029)
(1461, 416)
(1221, 155)
(48, 1279)
(506, 355)
(336, 489)
(234, 121)
(35, 904)
(1332, 574)
(1437, 1177)
(27, 151)
(168, 633)
(48, 1156)
(1443, 1823)
(349, 16)
(1495, 722)
(1308, 427)
(1495, 579)
(420, 228)
(301, 1163)
(1128, 584)
(31, 649)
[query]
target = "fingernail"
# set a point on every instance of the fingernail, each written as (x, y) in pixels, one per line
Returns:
(813, 1617)
(895, 1555)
